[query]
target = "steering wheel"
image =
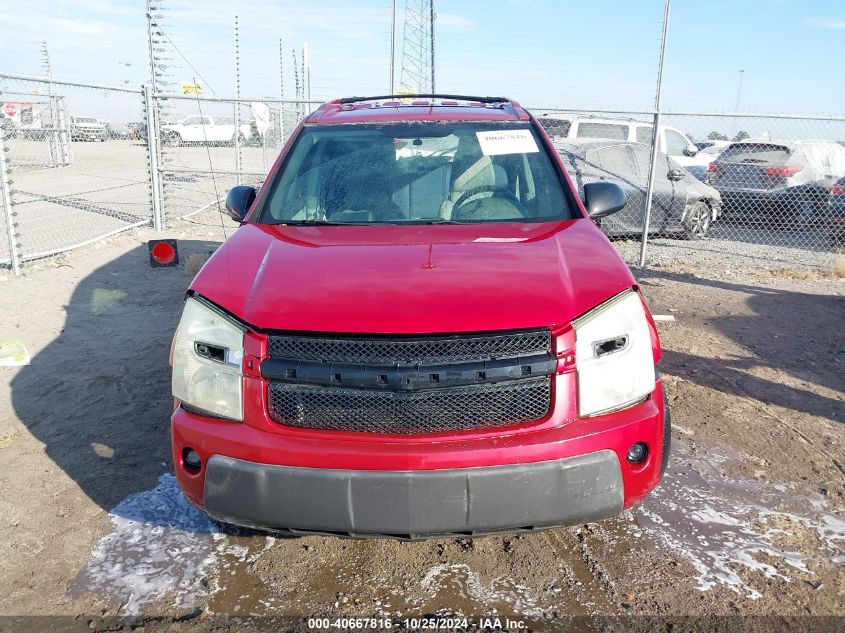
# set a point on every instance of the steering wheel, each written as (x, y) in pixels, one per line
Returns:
(497, 193)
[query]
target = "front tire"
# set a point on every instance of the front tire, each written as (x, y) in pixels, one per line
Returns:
(697, 221)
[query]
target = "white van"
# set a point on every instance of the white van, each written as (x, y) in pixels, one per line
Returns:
(672, 141)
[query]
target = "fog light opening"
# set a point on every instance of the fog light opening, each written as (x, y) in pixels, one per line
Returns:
(191, 460)
(637, 453)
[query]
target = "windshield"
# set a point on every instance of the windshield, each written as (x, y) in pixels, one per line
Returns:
(416, 173)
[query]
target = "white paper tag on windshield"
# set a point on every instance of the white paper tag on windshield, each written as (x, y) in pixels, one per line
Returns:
(507, 142)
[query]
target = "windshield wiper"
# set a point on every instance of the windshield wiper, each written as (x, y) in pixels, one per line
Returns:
(441, 221)
(320, 223)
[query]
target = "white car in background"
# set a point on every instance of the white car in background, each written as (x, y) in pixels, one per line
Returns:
(205, 130)
(671, 141)
(86, 128)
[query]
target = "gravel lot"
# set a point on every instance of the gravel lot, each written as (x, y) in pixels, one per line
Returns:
(748, 521)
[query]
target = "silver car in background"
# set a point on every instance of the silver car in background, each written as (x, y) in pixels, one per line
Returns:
(682, 205)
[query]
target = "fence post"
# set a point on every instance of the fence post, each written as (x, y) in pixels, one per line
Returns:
(152, 150)
(649, 192)
(655, 139)
(64, 132)
(8, 209)
(237, 143)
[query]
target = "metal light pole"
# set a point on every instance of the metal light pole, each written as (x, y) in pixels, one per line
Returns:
(306, 60)
(649, 196)
(739, 91)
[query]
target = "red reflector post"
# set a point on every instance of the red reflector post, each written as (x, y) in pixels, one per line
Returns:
(712, 168)
(163, 253)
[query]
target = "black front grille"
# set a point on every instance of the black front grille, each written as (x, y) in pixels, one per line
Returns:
(410, 349)
(431, 411)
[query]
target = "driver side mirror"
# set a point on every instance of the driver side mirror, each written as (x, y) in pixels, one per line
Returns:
(603, 198)
(692, 150)
(239, 200)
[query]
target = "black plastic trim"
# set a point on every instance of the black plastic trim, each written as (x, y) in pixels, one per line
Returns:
(407, 378)
(447, 97)
(415, 504)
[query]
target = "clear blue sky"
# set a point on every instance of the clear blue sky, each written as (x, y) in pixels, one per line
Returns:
(578, 53)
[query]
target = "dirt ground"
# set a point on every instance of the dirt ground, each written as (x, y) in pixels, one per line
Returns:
(749, 520)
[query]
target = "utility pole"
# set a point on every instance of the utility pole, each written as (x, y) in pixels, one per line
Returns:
(655, 137)
(418, 47)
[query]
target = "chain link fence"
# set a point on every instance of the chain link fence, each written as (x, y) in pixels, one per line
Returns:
(728, 190)
(76, 166)
(207, 145)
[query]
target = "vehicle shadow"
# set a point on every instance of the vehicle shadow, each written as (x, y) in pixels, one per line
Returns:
(98, 396)
(794, 332)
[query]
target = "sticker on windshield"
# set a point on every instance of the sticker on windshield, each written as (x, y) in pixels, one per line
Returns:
(507, 142)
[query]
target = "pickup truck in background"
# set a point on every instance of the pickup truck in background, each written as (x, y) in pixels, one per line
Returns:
(204, 129)
(671, 141)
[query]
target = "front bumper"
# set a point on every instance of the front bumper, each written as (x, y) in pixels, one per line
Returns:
(331, 482)
(415, 504)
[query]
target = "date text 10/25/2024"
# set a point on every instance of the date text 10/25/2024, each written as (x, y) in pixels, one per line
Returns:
(421, 623)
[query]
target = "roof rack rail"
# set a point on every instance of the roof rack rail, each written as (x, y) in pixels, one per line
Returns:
(427, 96)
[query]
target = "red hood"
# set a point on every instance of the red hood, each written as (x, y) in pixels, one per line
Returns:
(413, 279)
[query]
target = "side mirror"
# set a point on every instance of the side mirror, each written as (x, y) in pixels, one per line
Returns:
(239, 200)
(676, 174)
(692, 150)
(603, 198)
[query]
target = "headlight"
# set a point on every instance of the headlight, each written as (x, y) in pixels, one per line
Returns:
(613, 355)
(207, 353)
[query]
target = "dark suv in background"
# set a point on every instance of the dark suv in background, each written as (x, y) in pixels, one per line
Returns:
(778, 183)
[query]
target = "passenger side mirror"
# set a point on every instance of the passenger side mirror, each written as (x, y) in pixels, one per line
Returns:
(603, 198)
(692, 150)
(676, 174)
(239, 201)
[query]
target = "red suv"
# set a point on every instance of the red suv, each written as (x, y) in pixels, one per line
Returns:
(417, 331)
